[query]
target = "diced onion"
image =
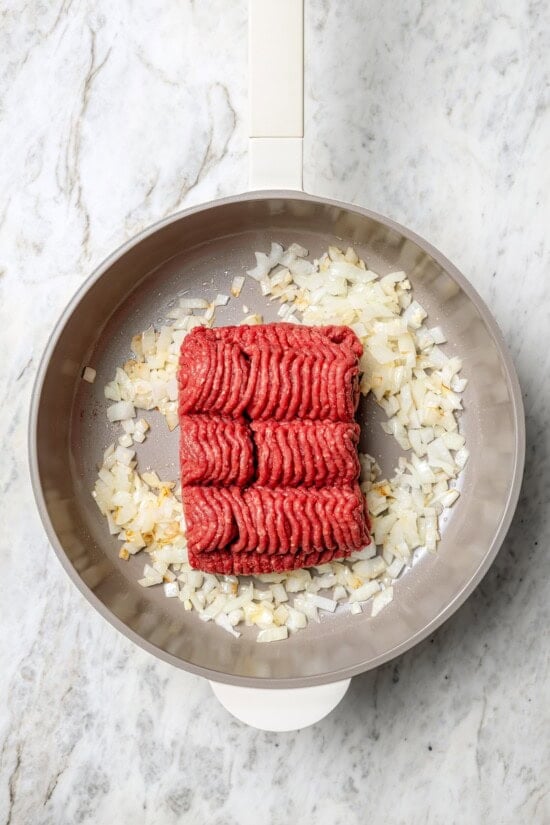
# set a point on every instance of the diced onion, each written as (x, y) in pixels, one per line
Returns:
(171, 589)
(193, 303)
(236, 285)
(322, 602)
(120, 411)
(221, 300)
(381, 600)
(364, 592)
(272, 634)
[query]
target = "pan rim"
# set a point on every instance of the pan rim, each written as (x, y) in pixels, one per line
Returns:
(459, 598)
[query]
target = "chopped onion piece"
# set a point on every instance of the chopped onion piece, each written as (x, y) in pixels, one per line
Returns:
(124, 455)
(120, 411)
(89, 374)
(216, 606)
(279, 593)
(370, 568)
(252, 320)
(223, 620)
(148, 341)
(112, 391)
(150, 573)
(149, 582)
(395, 568)
(296, 619)
(321, 602)
(414, 315)
(297, 250)
(461, 457)
(448, 498)
(262, 268)
(301, 603)
(265, 285)
(272, 634)
(364, 592)
(381, 600)
(193, 303)
(237, 285)
(171, 589)
(438, 335)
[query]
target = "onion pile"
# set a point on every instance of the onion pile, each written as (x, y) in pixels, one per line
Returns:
(409, 375)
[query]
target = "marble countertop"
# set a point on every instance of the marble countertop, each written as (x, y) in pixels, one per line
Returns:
(115, 114)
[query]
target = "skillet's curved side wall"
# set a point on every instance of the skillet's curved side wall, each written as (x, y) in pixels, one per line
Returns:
(201, 251)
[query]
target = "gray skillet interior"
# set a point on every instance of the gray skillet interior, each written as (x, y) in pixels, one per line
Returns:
(198, 252)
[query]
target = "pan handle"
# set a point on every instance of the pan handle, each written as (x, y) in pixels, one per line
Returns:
(280, 710)
(276, 93)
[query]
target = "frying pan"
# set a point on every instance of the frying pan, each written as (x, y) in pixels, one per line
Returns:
(199, 251)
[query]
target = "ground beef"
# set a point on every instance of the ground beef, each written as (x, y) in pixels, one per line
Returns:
(315, 384)
(271, 372)
(212, 376)
(309, 453)
(290, 336)
(215, 449)
(209, 518)
(268, 447)
(249, 564)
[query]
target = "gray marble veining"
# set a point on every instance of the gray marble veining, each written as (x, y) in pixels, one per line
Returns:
(113, 115)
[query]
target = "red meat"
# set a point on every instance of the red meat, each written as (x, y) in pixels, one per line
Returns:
(295, 336)
(320, 383)
(213, 375)
(309, 453)
(209, 518)
(298, 454)
(260, 522)
(215, 450)
(280, 371)
(251, 564)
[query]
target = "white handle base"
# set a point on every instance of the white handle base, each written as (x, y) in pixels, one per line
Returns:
(275, 163)
(280, 710)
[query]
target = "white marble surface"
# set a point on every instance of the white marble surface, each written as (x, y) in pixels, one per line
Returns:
(114, 114)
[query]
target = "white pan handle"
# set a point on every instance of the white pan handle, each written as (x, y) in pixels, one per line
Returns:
(280, 710)
(276, 93)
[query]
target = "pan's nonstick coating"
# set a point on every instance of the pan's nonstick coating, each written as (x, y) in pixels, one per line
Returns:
(199, 252)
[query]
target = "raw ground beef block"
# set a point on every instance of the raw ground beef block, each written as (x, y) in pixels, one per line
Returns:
(215, 450)
(238, 528)
(268, 447)
(308, 453)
